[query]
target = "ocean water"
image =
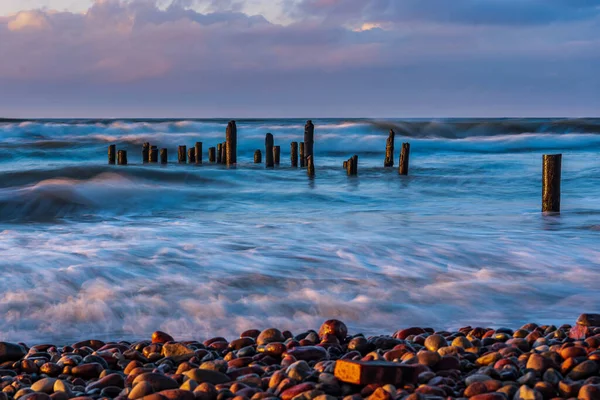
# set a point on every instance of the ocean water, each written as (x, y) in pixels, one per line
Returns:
(92, 250)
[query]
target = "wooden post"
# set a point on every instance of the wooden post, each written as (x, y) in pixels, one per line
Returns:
(389, 150)
(145, 152)
(231, 147)
(302, 158)
(198, 152)
(224, 152)
(163, 156)
(112, 154)
(122, 157)
(310, 167)
(552, 164)
(309, 139)
(294, 154)
(257, 157)
(212, 154)
(181, 154)
(277, 154)
(355, 165)
(269, 151)
(346, 165)
(219, 153)
(153, 154)
(192, 155)
(404, 156)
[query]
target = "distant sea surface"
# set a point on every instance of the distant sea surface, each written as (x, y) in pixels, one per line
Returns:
(89, 250)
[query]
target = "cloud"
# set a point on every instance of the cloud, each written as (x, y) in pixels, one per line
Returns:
(28, 20)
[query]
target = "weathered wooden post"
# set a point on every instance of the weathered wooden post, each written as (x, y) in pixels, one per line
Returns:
(309, 139)
(224, 152)
(346, 165)
(257, 157)
(198, 152)
(112, 154)
(355, 165)
(153, 154)
(163, 156)
(231, 140)
(219, 153)
(145, 152)
(181, 154)
(404, 156)
(294, 154)
(122, 157)
(192, 155)
(310, 167)
(389, 150)
(552, 164)
(302, 158)
(277, 154)
(269, 150)
(212, 154)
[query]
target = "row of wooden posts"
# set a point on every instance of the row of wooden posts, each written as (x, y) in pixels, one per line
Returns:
(226, 153)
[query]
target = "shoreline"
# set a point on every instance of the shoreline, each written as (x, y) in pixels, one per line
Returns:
(528, 362)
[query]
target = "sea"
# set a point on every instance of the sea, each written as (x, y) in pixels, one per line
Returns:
(91, 250)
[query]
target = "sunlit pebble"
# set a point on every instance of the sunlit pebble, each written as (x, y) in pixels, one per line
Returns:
(537, 362)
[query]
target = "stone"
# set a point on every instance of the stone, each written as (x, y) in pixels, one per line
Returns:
(35, 396)
(161, 337)
(11, 352)
(477, 378)
(294, 391)
(583, 370)
(589, 320)
(475, 389)
(109, 380)
(45, 385)
(269, 336)
(404, 333)
(156, 380)
(177, 351)
(527, 393)
(579, 332)
(63, 386)
(462, 341)
(374, 372)
(589, 392)
(490, 396)
(177, 394)
(208, 376)
(299, 370)
(552, 376)
(488, 359)
(334, 327)
(428, 358)
(308, 353)
(537, 363)
(435, 342)
(87, 371)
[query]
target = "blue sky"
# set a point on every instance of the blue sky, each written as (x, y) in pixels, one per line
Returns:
(304, 58)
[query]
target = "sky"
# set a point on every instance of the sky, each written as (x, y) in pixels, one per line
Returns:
(299, 58)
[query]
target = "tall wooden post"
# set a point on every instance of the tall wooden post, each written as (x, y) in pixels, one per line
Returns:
(192, 155)
(145, 152)
(257, 157)
(212, 154)
(310, 167)
(122, 157)
(269, 162)
(345, 165)
(219, 153)
(112, 154)
(198, 152)
(552, 164)
(355, 165)
(309, 139)
(302, 156)
(277, 154)
(163, 156)
(389, 150)
(404, 157)
(231, 147)
(224, 152)
(294, 154)
(181, 154)
(153, 154)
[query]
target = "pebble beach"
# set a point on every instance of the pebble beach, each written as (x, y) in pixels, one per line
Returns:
(528, 362)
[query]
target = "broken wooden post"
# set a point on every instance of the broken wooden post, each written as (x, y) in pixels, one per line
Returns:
(294, 154)
(192, 155)
(346, 165)
(269, 162)
(355, 165)
(375, 372)
(224, 152)
(257, 157)
(112, 154)
(122, 157)
(181, 154)
(310, 166)
(198, 152)
(277, 154)
(153, 154)
(404, 156)
(302, 158)
(231, 146)
(212, 154)
(552, 164)
(219, 153)
(389, 150)
(309, 139)
(145, 152)
(163, 156)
